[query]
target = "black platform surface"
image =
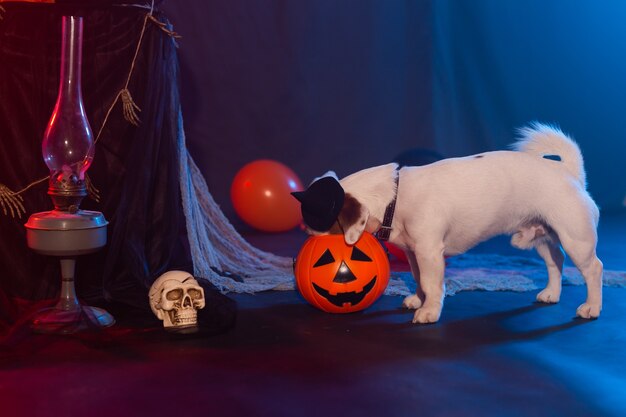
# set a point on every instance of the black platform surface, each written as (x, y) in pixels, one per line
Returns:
(492, 354)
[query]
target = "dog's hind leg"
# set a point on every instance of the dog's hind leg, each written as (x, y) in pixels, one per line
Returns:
(414, 301)
(591, 268)
(581, 248)
(552, 254)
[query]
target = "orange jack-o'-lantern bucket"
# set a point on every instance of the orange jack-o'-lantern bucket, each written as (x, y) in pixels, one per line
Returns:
(339, 278)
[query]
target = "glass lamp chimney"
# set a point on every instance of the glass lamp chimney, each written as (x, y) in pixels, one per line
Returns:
(68, 145)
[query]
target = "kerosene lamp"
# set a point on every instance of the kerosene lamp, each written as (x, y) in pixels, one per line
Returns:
(67, 232)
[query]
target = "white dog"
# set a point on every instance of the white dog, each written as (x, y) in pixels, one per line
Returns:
(536, 193)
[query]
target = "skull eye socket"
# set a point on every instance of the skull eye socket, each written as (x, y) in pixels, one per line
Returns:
(174, 295)
(325, 259)
(359, 255)
(194, 294)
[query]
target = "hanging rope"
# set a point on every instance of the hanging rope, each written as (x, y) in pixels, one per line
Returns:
(92, 191)
(164, 27)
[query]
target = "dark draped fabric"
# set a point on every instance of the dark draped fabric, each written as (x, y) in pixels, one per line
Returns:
(135, 168)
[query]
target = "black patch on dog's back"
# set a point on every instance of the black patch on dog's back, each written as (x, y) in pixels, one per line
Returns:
(553, 157)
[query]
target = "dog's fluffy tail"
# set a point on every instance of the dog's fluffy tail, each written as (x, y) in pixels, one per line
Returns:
(550, 142)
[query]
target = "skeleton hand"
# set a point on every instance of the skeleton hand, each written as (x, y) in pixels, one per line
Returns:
(11, 201)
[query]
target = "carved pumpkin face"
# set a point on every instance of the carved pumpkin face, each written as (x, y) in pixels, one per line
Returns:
(338, 278)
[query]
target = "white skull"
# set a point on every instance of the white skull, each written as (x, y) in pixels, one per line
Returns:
(175, 298)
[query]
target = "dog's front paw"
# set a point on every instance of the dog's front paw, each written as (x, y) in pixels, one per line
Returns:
(549, 296)
(589, 311)
(427, 314)
(412, 302)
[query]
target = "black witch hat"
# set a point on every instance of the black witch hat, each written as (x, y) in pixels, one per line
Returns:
(321, 203)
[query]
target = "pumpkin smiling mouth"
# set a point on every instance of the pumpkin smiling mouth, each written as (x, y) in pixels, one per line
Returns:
(352, 298)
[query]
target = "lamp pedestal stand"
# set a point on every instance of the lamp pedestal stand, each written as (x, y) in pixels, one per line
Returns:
(67, 235)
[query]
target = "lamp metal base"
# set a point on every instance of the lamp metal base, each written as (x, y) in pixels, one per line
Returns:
(67, 235)
(54, 320)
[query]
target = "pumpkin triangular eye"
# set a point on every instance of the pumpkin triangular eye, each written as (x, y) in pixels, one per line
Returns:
(325, 259)
(359, 255)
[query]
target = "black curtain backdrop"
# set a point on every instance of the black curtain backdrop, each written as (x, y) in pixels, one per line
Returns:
(317, 85)
(135, 168)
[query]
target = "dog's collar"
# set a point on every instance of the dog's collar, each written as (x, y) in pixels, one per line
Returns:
(385, 229)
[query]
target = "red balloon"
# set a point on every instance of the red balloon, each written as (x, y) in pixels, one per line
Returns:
(261, 194)
(396, 251)
(400, 254)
